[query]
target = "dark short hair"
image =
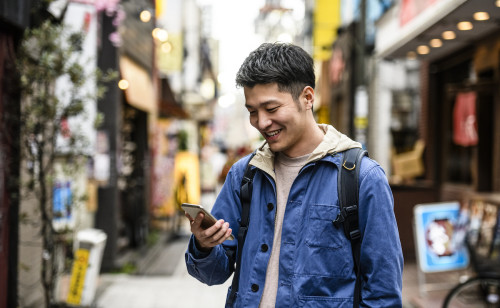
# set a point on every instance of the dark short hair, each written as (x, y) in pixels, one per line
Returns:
(290, 66)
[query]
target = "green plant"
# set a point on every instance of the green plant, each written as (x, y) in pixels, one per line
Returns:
(127, 268)
(153, 238)
(48, 54)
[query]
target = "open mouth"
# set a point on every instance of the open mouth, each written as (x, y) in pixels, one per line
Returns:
(273, 135)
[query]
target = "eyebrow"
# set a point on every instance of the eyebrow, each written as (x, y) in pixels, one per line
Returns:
(262, 104)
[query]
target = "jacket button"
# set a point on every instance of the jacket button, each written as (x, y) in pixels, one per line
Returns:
(270, 206)
(255, 287)
(264, 248)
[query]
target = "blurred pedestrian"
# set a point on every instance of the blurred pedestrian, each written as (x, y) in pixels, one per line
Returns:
(293, 255)
(231, 158)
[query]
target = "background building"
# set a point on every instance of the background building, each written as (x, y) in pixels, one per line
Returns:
(452, 107)
(14, 18)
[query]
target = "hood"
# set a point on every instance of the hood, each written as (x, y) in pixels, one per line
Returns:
(333, 142)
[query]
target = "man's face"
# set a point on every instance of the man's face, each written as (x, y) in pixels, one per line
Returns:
(280, 120)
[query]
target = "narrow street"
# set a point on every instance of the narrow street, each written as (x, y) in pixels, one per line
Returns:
(165, 283)
(162, 281)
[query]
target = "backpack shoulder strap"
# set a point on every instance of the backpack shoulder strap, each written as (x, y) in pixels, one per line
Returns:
(348, 191)
(246, 198)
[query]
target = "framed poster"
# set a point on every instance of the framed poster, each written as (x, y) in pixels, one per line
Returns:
(439, 233)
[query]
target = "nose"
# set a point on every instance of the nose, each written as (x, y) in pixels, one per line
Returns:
(263, 121)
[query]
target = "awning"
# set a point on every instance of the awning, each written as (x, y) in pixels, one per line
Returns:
(397, 37)
(140, 93)
(168, 105)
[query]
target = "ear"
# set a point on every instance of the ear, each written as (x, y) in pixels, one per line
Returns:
(307, 97)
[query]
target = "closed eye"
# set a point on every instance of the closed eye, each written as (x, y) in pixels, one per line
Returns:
(272, 109)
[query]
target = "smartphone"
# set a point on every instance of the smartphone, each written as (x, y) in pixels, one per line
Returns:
(208, 221)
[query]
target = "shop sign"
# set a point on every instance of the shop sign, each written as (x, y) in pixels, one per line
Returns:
(361, 115)
(101, 168)
(464, 119)
(439, 236)
(79, 17)
(337, 66)
(62, 200)
(412, 8)
(78, 276)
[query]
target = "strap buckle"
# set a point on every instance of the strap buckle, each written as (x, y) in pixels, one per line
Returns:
(344, 214)
(343, 217)
(355, 234)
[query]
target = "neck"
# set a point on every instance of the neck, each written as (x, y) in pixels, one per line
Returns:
(314, 136)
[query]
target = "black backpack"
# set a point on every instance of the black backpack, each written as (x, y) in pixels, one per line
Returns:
(348, 191)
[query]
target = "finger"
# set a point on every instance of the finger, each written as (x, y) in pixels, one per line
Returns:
(212, 236)
(204, 234)
(196, 228)
(224, 237)
(207, 238)
(220, 234)
(213, 230)
(199, 218)
(196, 222)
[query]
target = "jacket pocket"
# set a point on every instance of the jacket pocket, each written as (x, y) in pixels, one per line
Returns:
(320, 229)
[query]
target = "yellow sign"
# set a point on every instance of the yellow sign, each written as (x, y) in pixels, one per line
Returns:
(169, 54)
(326, 22)
(361, 122)
(159, 8)
(80, 265)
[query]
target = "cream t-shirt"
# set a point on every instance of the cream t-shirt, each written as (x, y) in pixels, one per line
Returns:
(286, 170)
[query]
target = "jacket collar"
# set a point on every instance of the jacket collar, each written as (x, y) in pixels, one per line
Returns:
(333, 142)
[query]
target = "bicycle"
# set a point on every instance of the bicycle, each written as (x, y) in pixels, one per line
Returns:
(482, 290)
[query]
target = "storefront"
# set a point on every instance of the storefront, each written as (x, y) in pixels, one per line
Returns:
(130, 112)
(14, 18)
(138, 117)
(456, 44)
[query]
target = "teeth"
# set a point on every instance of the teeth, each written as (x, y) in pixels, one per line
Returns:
(273, 133)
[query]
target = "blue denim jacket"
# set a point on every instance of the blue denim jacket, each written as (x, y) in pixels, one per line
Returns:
(316, 264)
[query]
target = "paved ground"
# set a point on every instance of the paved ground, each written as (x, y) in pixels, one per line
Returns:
(165, 283)
(432, 289)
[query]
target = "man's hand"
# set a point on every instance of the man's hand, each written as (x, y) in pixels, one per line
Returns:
(206, 239)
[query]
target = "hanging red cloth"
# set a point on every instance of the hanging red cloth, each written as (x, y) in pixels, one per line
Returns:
(464, 119)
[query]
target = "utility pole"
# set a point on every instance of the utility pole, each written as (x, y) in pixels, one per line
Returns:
(360, 102)
(362, 43)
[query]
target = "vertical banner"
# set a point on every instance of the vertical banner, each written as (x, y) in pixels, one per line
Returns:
(80, 17)
(170, 54)
(62, 201)
(361, 116)
(439, 233)
(326, 21)
(78, 277)
(464, 119)
(102, 159)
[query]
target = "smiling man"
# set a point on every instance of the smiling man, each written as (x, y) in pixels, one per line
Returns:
(293, 255)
